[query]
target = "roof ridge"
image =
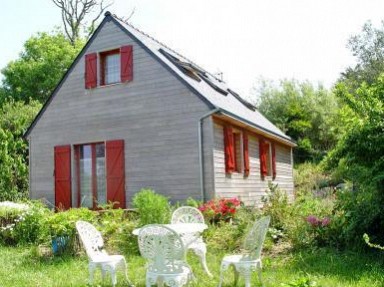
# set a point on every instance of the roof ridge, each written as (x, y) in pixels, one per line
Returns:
(125, 21)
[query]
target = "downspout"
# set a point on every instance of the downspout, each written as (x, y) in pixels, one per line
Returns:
(201, 164)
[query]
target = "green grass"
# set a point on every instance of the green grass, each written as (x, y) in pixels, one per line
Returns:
(328, 268)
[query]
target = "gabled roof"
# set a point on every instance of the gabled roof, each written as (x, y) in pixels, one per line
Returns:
(210, 89)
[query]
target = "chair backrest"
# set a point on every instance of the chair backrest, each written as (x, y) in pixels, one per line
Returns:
(91, 239)
(187, 214)
(162, 247)
(254, 240)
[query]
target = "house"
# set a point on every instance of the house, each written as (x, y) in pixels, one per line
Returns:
(132, 113)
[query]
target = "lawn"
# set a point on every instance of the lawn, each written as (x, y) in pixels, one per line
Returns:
(323, 267)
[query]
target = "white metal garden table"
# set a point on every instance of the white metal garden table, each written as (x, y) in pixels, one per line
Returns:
(182, 229)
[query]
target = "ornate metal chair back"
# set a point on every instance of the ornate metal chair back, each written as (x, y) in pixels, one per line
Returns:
(187, 214)
(254, 240)
(163, 248)
(91, 239)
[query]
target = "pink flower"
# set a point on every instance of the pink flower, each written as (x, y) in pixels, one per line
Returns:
(313, 220)
(326, 221)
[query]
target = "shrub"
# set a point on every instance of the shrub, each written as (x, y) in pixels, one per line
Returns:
(152, 207)
(220, 209)
(300, 222)
(356, 213)
(276, 205)
(61, 227)
(22, 223)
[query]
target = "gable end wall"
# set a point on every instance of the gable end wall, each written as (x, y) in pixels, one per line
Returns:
(155, 115)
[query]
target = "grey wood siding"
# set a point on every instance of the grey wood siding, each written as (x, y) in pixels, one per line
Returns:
(249, 189)
(155, 115)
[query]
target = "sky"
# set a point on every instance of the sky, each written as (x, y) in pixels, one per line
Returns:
(243, 39)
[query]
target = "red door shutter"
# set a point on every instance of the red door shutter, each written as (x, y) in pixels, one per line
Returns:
(126, 63)
(90, 71)
(273, 161)
(229, 150)
(115, 173)
(63, 194)
(263, 157)
(246, 154)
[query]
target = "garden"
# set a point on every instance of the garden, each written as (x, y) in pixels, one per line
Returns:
(303, 246)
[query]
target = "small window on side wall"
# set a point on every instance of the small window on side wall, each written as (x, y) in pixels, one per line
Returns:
(267, 158)
(237, 151)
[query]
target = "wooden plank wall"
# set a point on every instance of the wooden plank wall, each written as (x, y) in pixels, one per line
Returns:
(250, 189)
(154, 114)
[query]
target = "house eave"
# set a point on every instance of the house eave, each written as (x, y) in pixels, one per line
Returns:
(228, 116)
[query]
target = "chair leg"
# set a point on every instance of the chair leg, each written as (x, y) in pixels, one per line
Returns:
(91, 268)
(236, 276)
(260, 277)
(221, 276)
(103, 272)
(201, 253)
(124, 266)
(247, 278)
(113, 276)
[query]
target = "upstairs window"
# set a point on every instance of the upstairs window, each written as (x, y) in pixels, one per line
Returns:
(110, 67)
(114, 66)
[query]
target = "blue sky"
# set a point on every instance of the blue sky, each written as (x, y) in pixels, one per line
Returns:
(244, 39)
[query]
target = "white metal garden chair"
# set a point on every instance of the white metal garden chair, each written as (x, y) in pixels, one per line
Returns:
(188, 214)
(250, 260)
(98, 257)
(164, 250)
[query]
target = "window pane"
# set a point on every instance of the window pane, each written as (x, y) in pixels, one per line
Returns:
(100, 174)
(86, 176)
(112, 69)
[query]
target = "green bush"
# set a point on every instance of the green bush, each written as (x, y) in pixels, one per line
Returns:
(151, 207)
(306, 222)
(358, 212)
(22, 225)
(61, 226)
(229, 236)
(276, 205)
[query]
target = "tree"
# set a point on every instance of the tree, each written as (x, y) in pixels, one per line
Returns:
(16, 118)
(305, 113)
(75, 15)
(362, 147)
(368, 48)
(42, 63)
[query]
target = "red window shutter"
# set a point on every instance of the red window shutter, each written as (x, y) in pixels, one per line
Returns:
(90, 71)
(229, 150)
(263, 157)
(126, 63)
(63, 191)
(115, 173)
(273, 161)
(245, 154)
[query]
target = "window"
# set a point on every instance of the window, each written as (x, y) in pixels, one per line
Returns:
(115, 66)
(236, 151)
(110, 67)
(91, 175)
(267, 158)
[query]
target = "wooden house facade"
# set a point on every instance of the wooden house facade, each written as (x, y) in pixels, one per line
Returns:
(131, 113)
